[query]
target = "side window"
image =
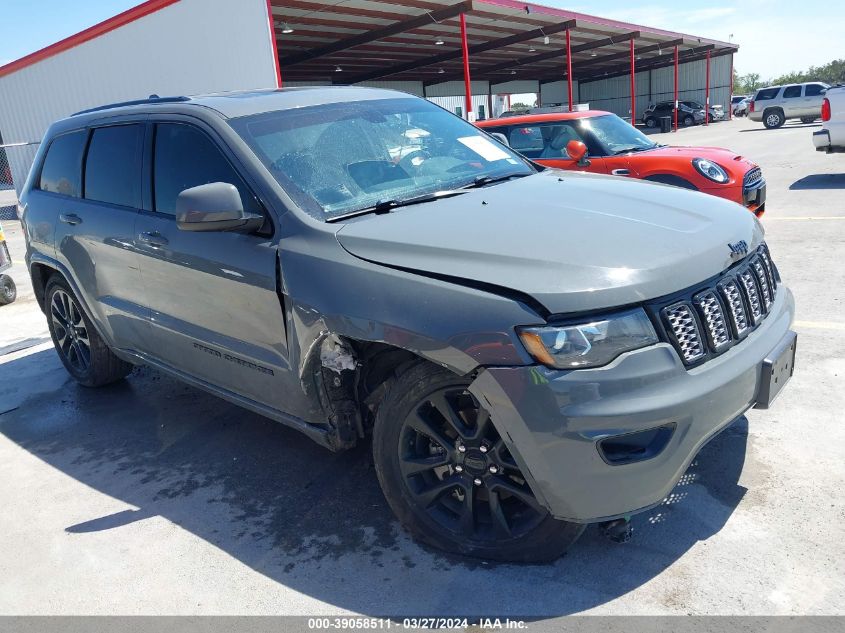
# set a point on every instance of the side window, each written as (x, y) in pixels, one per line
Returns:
(113, 165)
(555, 138)
(791, 92)
(62, 169)
(526, 139)
(813, 90)
(185, 157)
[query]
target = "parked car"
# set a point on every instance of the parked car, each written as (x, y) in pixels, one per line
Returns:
(717, 113)
(529, 349)
(831, 138)
(603, 143)
(776, 105)
(686, 115)
(740, 108)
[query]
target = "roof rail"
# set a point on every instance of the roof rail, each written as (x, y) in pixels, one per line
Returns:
(151, 100)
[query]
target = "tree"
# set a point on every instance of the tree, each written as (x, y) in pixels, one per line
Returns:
(520, 106)
(831, 73)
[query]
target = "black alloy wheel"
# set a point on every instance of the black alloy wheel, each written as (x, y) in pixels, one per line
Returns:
(70, 330)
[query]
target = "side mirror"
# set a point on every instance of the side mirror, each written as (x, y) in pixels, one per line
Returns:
(216, 206)
(501, 138)
(577, 151)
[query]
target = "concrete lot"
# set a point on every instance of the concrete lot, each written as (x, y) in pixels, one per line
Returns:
(149, 497)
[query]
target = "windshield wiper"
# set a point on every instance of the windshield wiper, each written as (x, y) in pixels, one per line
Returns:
(386, 206)
(483, 181)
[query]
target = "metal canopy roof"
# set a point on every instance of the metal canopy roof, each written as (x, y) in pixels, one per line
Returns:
(348, 41)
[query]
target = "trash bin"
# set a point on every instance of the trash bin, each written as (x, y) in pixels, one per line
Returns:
(665, 124)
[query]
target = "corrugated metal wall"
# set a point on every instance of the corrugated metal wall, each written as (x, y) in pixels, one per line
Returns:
(614, 94)
(555, 92)
(456, 104)
(185, 48)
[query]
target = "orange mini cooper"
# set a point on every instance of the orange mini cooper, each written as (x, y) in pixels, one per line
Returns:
(601, 142)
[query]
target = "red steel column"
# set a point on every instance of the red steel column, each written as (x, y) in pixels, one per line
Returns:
(569, 70)
(467, 81)
(274, 45)
(676, 89)
(707, 93)
(633, 86)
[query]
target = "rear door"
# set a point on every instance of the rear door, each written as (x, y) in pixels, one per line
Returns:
(792, 101)
(215, 313)
(94, 232)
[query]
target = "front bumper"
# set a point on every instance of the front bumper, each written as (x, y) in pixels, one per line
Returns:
(553, 421)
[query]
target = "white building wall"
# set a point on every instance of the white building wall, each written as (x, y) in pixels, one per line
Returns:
(456, 104)
(190, 47)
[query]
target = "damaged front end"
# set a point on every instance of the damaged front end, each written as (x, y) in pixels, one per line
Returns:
(335, 373)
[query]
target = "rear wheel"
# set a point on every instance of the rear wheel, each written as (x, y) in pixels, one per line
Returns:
(773, 118)
(8, 290)
(688, 121)
(808, 119)
(450, 479)
(83, 353)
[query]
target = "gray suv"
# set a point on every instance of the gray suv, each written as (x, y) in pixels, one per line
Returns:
(529, 350)
(775, 105)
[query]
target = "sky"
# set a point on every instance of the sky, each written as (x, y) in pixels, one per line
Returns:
(775, 36)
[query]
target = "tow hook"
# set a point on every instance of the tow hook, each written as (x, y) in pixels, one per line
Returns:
(618, 530)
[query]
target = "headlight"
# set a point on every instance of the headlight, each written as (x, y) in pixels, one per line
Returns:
(710, 170)
(588, 344)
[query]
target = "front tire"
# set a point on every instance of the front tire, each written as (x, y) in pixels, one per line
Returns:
(773, 119)
(82, 351)
(8, 290)
(651, 122)
(449, 478)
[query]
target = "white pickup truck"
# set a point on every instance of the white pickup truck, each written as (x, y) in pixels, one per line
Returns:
(831, 138)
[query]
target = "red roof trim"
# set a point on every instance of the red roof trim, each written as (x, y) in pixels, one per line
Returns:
(130, 15)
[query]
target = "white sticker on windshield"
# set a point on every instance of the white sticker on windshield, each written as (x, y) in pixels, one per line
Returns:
(487, 149)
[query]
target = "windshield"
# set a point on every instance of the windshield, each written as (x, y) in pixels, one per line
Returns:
(335, 159)
(603, 135)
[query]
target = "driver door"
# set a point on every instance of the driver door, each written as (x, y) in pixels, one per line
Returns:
(215, 313)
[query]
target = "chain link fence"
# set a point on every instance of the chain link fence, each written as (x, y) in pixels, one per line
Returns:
(15, 159)
(8, 200)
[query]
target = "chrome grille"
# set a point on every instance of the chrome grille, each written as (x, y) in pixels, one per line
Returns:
(736, 307)
(713, 319)
(763, 279)
(717, 317)
(750, 287)
(685, 330)
(752, 177)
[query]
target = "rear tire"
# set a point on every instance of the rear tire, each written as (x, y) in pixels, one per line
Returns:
(474, 502)
(688, 121)
(80, 348)
(773, 118)
(808, 119)
(8, 290)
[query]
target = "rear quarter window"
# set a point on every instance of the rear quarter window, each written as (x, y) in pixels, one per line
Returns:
(62, 169)
(766, 94)
(814, 90)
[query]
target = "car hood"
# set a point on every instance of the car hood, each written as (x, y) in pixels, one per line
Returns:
(735, 164)
(571, 241)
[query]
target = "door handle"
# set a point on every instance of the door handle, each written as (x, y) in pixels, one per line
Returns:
(70, 218)
(154, 239)
(621, 172)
